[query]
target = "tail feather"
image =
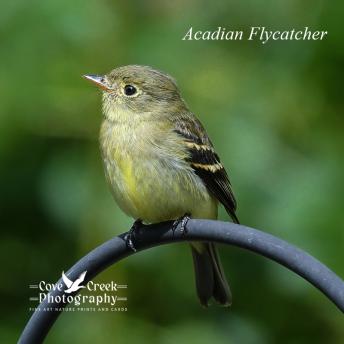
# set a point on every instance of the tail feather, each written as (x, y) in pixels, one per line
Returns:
(209, 276)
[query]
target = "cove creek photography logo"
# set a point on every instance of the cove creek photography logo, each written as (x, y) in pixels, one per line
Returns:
(95, 297)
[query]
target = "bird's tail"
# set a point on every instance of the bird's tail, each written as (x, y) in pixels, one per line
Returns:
(209, 275)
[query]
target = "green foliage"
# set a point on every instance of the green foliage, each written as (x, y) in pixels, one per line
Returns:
(274, 113)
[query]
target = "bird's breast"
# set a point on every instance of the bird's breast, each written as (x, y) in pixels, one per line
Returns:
(130, 163)
(150, 179)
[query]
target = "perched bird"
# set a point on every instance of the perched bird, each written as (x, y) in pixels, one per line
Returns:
(161, 164)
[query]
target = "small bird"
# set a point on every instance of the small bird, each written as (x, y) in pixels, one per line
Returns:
(161, 164)
(73, 286)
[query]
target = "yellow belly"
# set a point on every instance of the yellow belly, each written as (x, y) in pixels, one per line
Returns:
(150, 186)
(149, 191)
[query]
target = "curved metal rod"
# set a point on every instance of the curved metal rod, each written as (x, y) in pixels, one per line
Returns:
(196, 230)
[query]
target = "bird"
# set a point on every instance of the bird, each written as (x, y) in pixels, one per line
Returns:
(73, 286)
(161, 164)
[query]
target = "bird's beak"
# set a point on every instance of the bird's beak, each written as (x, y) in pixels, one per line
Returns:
(99, 80)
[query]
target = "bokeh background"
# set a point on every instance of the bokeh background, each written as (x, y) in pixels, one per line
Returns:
(273, 111)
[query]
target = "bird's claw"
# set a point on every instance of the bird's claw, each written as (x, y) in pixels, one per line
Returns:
(129, 236)
(183, 220)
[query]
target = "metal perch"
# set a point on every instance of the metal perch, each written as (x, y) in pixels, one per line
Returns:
(196, 230)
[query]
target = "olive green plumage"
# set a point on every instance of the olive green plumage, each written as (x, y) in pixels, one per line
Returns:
(161, 164)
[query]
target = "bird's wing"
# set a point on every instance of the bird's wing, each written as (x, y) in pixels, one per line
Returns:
(80, 279)
(205, 162)
(66, 280)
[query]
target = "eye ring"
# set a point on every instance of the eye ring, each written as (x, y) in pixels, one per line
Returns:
(130, 90)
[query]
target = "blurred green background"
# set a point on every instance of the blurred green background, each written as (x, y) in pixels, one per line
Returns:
(273, 111)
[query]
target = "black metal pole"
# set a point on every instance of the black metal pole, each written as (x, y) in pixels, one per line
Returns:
(197, 230)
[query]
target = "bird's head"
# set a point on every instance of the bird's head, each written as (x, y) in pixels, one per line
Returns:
(137, 91)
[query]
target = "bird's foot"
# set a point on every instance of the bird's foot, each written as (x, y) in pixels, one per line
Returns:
(183, 220)
(131, 233)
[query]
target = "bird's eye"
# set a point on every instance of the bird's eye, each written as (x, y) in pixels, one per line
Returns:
(129, 90)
